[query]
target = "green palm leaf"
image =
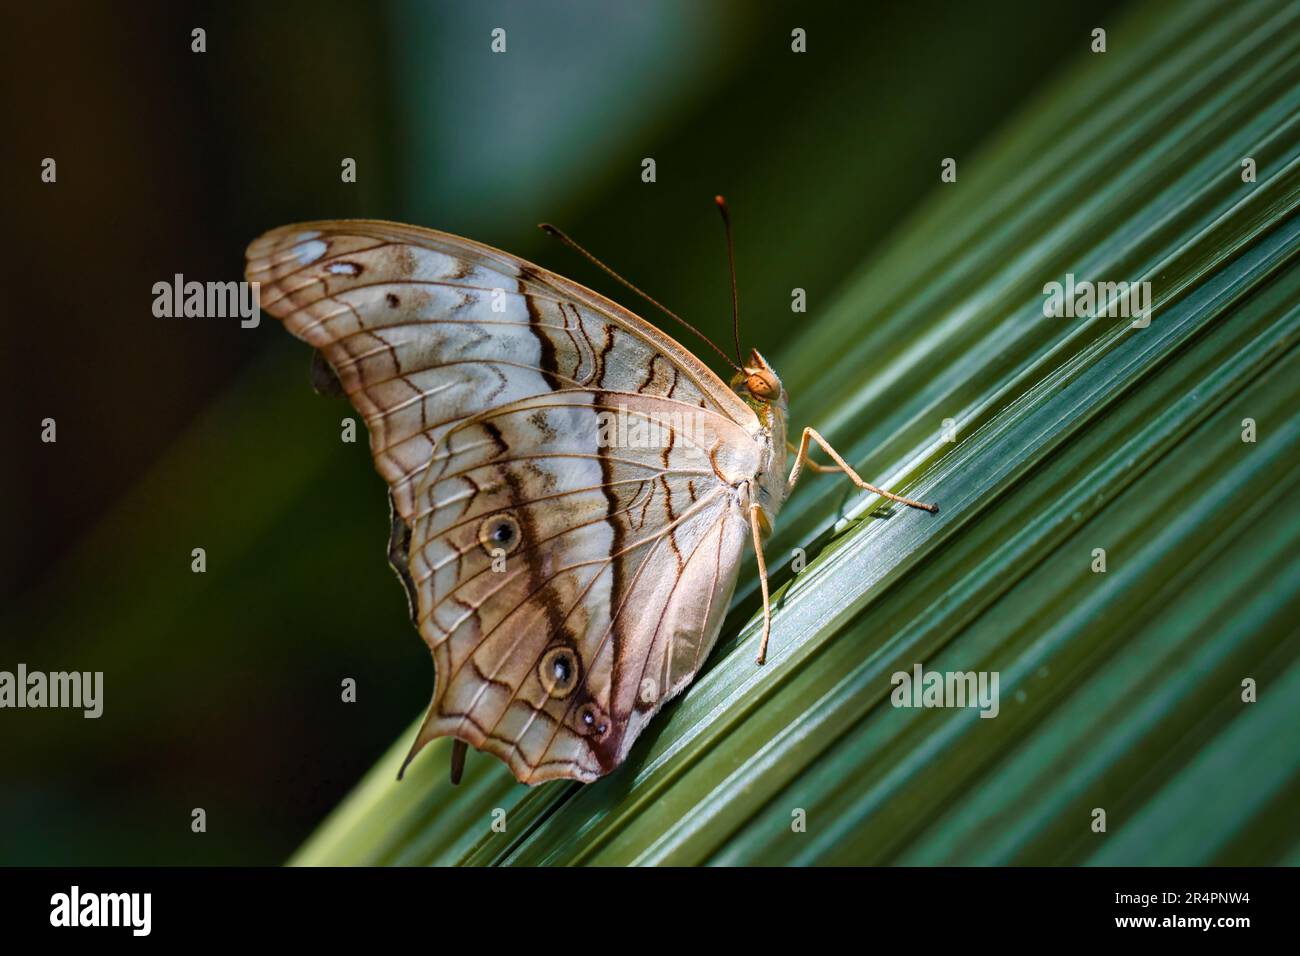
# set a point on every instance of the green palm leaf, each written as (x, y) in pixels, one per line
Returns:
(1119, 690)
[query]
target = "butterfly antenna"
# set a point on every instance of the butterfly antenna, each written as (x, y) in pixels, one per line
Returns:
(731, 263)
(550, 230)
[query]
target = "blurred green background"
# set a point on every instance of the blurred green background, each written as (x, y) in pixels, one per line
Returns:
(222, 689)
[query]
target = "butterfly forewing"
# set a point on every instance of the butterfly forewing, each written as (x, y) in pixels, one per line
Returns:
(424, 329)
(568, 580)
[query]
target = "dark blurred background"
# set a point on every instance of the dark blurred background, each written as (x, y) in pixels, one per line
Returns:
(222, 690)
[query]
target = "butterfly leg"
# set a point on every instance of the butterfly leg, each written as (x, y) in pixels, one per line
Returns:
(801, 457)
(754, 511)
(816, 466)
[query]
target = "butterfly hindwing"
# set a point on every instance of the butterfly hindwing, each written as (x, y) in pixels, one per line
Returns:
(570, 587)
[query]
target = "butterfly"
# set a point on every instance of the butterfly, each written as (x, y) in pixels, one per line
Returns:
(571, 489)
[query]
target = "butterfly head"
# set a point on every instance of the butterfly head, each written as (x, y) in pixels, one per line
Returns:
(757, 383)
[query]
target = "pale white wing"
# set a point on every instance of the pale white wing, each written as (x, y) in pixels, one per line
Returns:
(481, 379)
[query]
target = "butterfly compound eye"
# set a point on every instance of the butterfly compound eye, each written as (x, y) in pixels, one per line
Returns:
(499, 531)
(762, 385)
(558, 671)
